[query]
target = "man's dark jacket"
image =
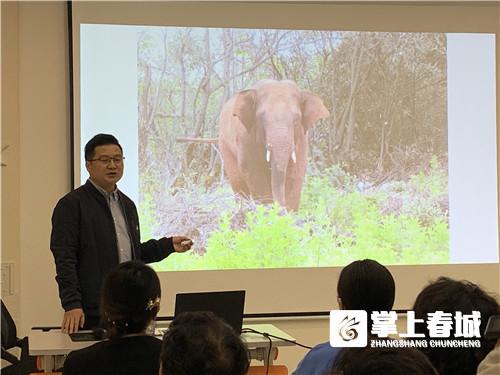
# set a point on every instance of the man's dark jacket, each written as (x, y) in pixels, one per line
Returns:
(83, 241)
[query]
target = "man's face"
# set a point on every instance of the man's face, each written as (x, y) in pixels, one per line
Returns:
(106, 166)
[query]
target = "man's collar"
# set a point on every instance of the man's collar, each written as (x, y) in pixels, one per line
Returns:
(113, 194)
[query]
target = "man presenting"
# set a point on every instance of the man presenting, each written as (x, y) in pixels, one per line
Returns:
(94, 228)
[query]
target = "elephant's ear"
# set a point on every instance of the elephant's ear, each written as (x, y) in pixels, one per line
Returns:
(244, 107)
(313, 109)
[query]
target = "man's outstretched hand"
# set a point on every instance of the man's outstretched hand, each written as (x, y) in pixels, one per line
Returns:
(73, 320)
(181, 243)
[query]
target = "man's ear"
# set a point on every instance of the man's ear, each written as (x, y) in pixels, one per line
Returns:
(87, 165)
(339, 301)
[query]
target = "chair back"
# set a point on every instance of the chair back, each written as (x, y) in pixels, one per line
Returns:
(9, 331)
(24, 363)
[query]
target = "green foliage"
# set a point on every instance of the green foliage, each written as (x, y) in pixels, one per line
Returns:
(270, 240)
(258, 245)
(424, 196)
(337, 223)
(434, 182)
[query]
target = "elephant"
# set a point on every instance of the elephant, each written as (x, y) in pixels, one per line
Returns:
(263, 140)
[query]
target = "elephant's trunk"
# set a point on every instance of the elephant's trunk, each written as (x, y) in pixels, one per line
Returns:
(279, 157)
(278, 178)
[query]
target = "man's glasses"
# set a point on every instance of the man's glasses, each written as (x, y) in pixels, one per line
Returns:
(107, 160)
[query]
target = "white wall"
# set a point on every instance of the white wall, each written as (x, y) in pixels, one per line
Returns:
(44, 151)
(35, 125)
(10, 139)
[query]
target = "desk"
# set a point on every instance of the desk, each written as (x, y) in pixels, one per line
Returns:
(53, 346)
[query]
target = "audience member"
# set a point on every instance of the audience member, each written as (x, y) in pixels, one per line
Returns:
(362, 285)
(450, 296)
(490, 365)
(382, 361)
(130, 300)
(199, 343)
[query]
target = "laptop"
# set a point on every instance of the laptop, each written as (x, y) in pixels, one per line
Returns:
(227, 305)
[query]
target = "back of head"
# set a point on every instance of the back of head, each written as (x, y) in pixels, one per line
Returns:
(130, 299)
(199, 343)
(366, 285)
(99, 140)
(450, 296)
(382, 361)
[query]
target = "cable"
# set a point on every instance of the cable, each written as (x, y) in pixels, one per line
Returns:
(265, 334)
(268, 352)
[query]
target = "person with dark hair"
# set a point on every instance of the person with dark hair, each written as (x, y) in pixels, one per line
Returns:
(382, 361)
(490, 365)
(130, 301)
(451, 296)
(94, 228)
(200, 343)
(362, 285)
(366, 285)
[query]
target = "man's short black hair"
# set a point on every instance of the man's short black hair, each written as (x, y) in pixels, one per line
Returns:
(200, 343)
(366, 285)
(450, 296)
(382, 361)
(99, 140)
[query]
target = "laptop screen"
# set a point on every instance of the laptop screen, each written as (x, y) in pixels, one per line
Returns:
(227, 305)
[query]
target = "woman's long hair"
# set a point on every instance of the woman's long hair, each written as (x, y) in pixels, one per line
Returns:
(130, 299)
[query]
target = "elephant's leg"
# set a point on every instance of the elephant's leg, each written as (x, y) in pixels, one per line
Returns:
(259, 182)
(234, 175)
(295, 179)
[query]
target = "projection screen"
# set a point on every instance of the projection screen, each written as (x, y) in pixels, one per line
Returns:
(378, 122)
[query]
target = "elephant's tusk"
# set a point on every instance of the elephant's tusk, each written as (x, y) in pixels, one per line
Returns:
(294, 157)
(268, 155)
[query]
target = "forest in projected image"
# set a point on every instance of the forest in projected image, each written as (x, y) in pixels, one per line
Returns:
(346, 159)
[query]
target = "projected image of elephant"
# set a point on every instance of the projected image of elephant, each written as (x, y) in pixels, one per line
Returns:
(263, 140)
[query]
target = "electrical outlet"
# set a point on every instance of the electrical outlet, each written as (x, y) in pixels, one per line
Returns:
(7, 278)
